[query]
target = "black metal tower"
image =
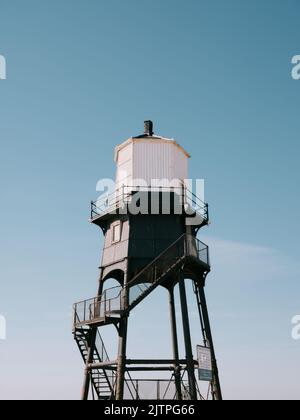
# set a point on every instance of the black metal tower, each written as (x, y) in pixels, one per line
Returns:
(154, 246)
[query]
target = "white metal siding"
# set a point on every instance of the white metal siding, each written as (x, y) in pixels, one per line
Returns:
(124, 166)
(140, 161)
(180, 162)
(154, 159)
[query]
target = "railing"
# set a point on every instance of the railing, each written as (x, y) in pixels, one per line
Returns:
(195, 248)
(98, 306)
(110, 202)
(150, 274)
(101, 349)
(114, 301)
(154, 389)
(102, 354)
(186, 246)
(184, 201)
(99, 343)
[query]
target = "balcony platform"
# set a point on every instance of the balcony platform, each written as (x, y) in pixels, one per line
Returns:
(176, 201)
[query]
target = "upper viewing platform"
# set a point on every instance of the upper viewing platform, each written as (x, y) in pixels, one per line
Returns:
(150, 200)
(151, 178)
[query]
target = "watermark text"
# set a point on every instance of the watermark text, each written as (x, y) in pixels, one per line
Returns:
(296, 327)
(2, 328)
(296, 68)
(2, 67)
(160, 196)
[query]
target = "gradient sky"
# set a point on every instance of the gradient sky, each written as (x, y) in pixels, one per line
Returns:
(82, 76)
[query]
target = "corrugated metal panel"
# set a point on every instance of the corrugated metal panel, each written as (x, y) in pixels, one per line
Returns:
(144, 160)
(180, 164)
(125, 154)
(154, 159)
(124, 166)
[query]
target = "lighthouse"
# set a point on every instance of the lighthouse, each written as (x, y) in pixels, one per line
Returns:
(150, 223)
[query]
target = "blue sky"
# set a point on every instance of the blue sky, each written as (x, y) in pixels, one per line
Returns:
(82, 77)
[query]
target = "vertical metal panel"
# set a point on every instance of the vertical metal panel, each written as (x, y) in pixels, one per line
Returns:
(124, 166)
(152, 160)
(180, 162)
(115, 251)
(155, 159)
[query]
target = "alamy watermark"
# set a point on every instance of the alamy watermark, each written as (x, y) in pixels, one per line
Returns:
(2, 67)
(2, 328)
(296, 327)
(296, 68)
(159, 196)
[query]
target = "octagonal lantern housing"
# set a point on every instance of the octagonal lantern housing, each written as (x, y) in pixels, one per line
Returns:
(150, 161)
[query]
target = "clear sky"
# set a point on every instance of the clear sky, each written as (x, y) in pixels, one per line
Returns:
(82, 76)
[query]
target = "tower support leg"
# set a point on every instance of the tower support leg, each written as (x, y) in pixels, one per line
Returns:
(121, 367)
(89, 360)
(188, 341)
(123, 326)
(216, 387)
(100, 286)
(177, 375)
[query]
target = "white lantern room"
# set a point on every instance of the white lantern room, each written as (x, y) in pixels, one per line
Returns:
(150, 161)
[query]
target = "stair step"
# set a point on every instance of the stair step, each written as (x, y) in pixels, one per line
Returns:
(100, 381)
(102, 385)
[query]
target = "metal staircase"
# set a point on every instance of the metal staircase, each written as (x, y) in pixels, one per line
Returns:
(115, 303)
(105, 309)
(139, 291)
(103, 381)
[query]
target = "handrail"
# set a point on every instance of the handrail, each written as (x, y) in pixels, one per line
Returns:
(153, 388)
(100, 355)
(99, 338)
(100, 306)
(104, 351)
(97, 297)
(155, 260)
(113, 200)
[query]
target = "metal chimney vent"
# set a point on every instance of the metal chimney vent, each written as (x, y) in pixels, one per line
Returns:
(148, 128)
